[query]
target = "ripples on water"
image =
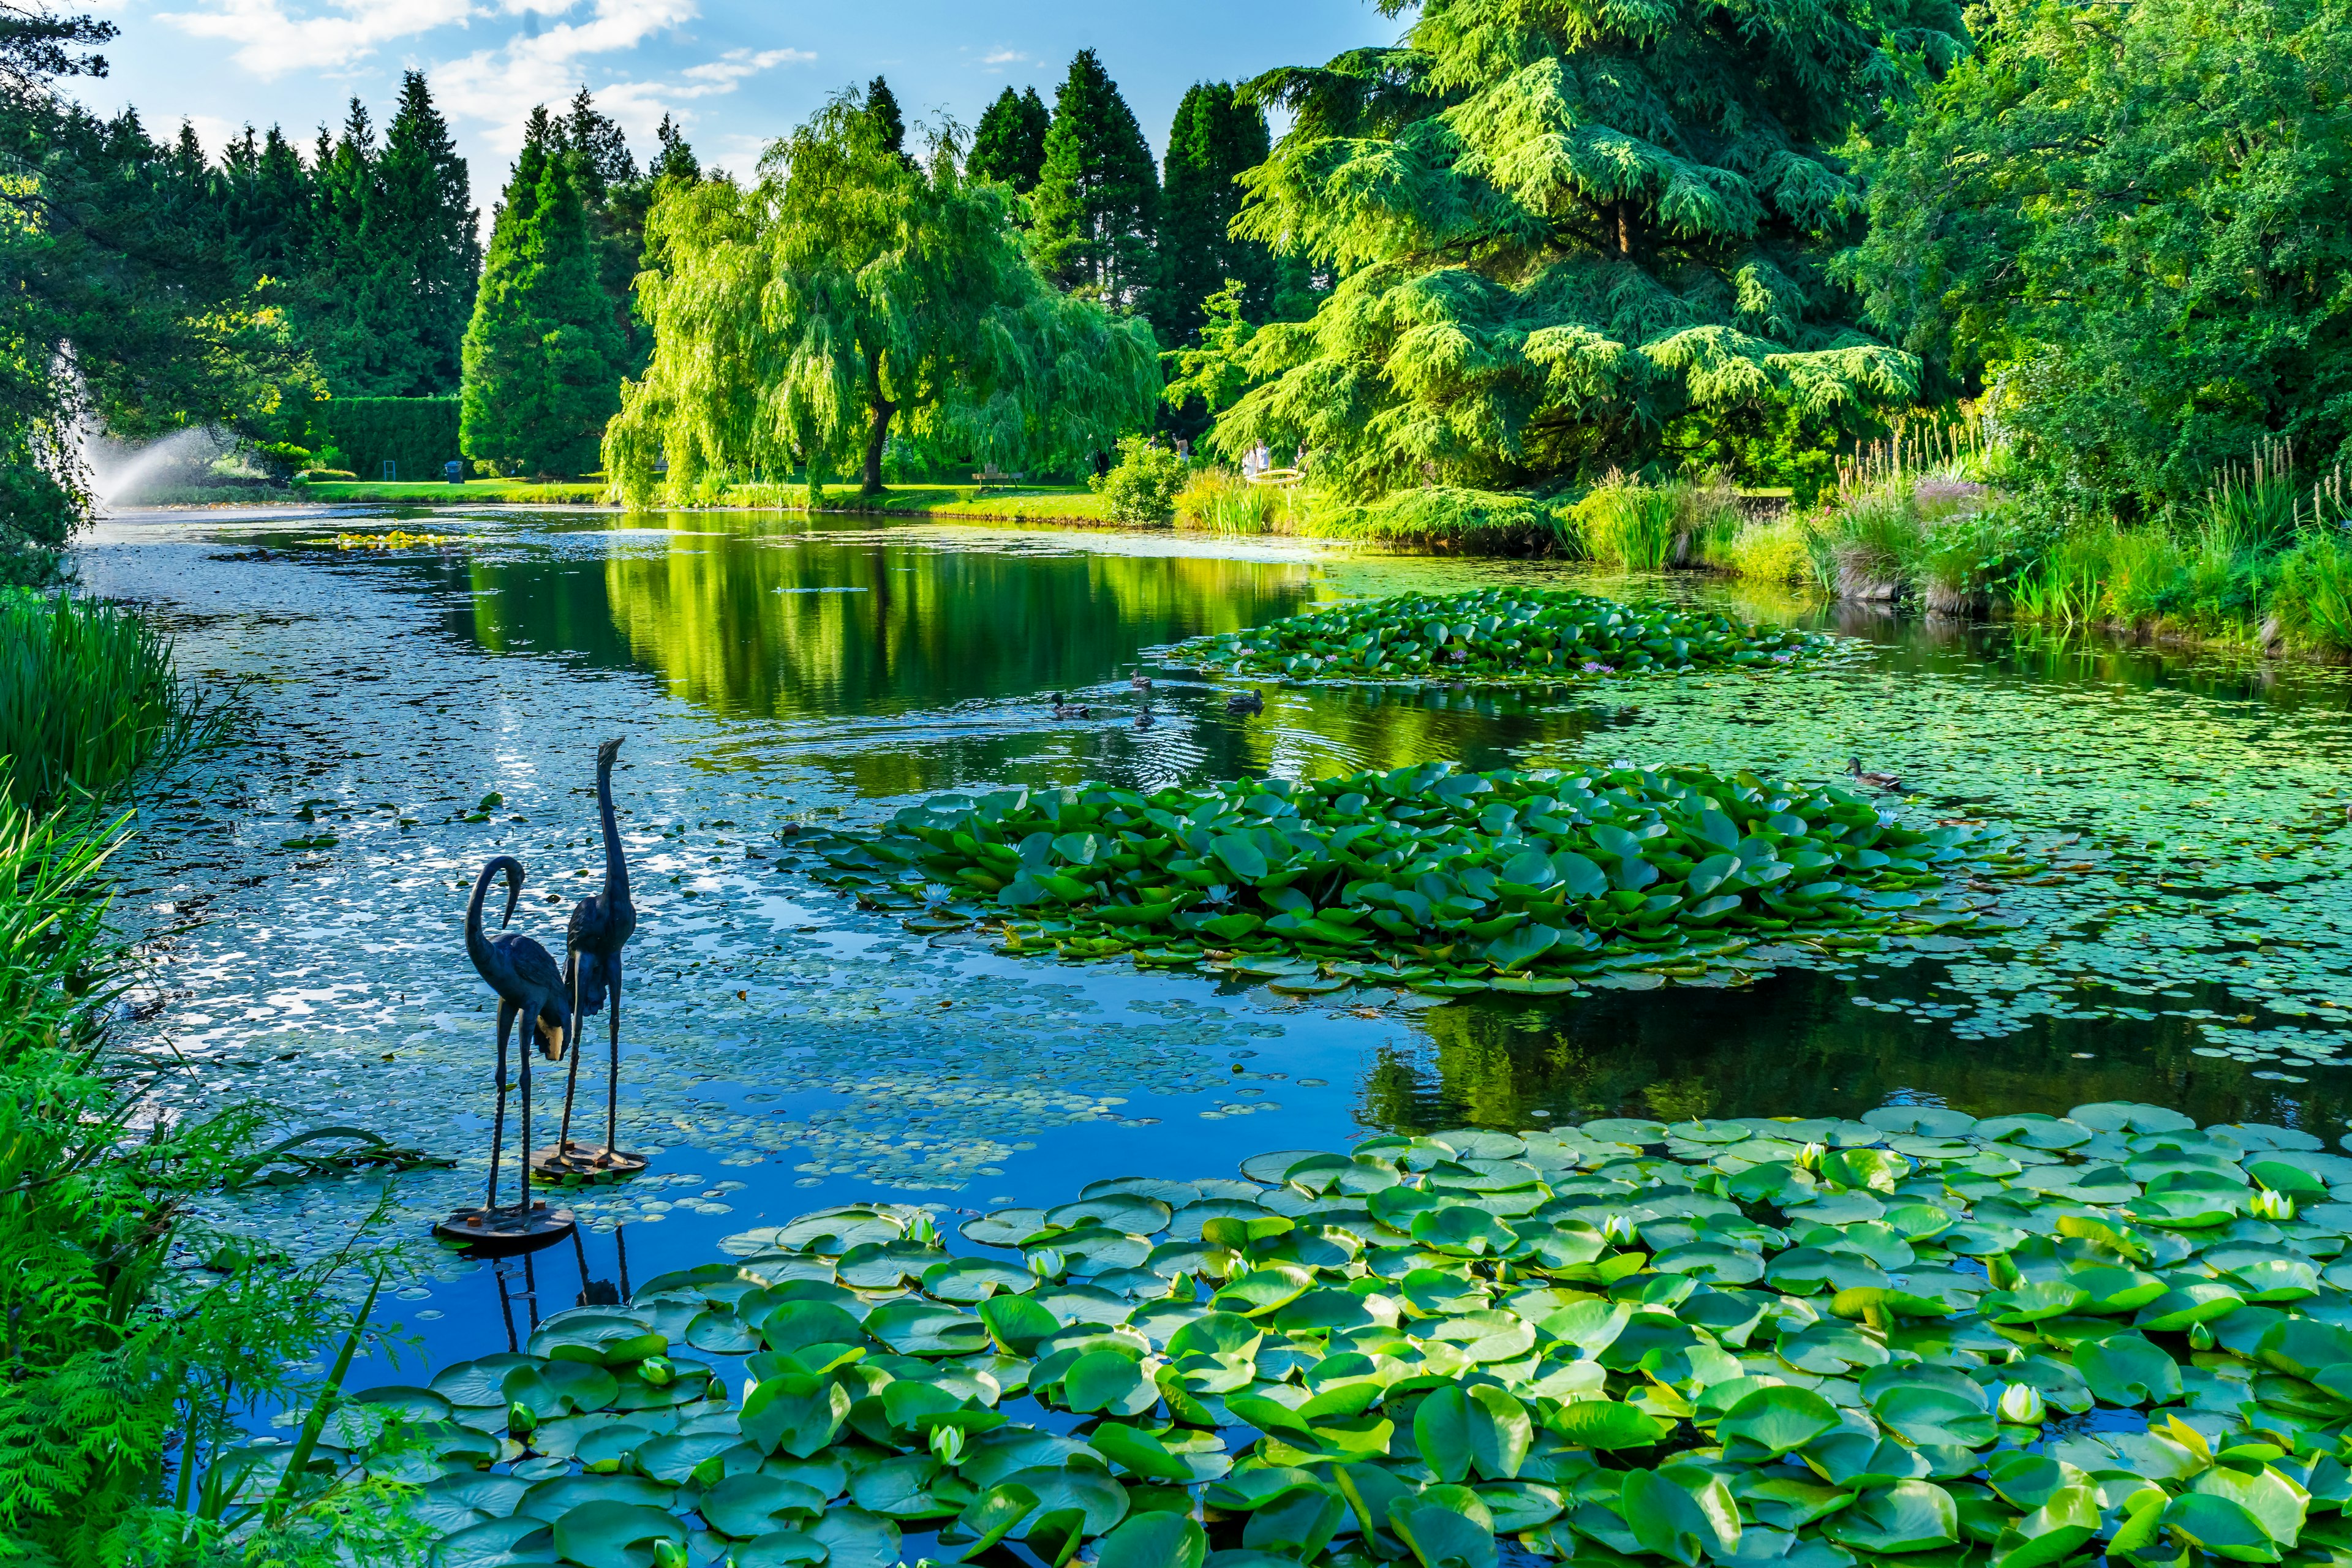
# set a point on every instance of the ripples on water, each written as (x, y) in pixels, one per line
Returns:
(785, 1050)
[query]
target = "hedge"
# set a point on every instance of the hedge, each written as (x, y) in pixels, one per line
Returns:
(417, 434)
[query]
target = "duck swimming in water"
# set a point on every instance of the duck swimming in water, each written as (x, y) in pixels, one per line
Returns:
(1245, 702)
(1872, 781)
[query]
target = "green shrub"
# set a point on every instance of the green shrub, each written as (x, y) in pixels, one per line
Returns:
(1141, 485)
(1962, 555)
(1770, 550)
(1489, 522)
(2314, 596)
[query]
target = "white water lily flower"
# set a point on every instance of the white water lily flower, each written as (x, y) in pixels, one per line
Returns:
(2022, 1404)
(2273, 1205)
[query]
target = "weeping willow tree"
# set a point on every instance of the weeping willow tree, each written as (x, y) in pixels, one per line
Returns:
(852, 297)
(1559, 227)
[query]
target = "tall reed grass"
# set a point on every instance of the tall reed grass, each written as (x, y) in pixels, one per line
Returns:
(1639, 527)
(1221, 501)
(89, 697)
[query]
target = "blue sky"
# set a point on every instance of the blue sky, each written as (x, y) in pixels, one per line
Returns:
(737, 74)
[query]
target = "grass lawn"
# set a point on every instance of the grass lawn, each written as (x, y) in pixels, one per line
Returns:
(531, 492)
(1071, 503)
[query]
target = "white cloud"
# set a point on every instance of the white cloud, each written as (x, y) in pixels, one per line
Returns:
(271, 41)
(548, 64)
(997, 59)
(722, 74)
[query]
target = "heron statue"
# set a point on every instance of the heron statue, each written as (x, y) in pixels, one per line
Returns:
(531, 988)
(602, 924)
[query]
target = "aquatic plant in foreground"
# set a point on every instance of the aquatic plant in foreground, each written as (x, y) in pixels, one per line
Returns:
(1444, 880)
(1502, 634)
(1918, 1336)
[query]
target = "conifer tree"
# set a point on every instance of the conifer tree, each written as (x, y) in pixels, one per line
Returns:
(1214, 139)
(1010, 141)
(1097, 197)
(544, 359)
(675, 160)
(1566, 232)
(889, 122)
(426, 233)
(374, 245)
(615, 199)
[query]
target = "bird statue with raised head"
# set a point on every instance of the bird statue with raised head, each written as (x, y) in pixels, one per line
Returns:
(602, 924)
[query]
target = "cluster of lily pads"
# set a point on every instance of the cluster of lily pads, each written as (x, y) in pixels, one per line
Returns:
(1499, 634)
(1919, 1337)
(1429, 877)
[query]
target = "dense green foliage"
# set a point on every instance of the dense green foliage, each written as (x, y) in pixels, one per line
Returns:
(2129, 219)
(417, 434)
(1916, 1337)
(125, 1375)
(1096, 204)
(1564, 232)
(1495, 634)
(1009, 144)
(849, 299)
(544, 356)
(1442, 880)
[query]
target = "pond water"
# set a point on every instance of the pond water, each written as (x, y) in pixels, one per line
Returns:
(785, 1050)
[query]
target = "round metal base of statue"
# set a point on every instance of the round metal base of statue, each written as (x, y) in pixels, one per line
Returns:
(577, 1165)
(502, 1232)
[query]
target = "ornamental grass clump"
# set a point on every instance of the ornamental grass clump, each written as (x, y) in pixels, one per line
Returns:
(1917, 1337)
(87, 699)
(1427, 877)
(1508, 634)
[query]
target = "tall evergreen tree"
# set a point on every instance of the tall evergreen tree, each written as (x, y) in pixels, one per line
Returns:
(602, 160)
(268, 206)
(1097, 197)
(427, 231)
(544, 359)
(1570, 235)
(1010, 142)
(374, 247)
(675, 160)
(1214, 139)
(615, 199)
(889, 122)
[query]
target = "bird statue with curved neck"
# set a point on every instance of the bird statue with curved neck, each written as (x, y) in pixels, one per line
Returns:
(602, 924)
(530, 986)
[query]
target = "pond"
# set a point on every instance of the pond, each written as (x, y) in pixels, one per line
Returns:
(421, 709)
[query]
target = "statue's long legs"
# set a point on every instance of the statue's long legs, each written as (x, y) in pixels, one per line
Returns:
(573, 962)
(498, 1118)
(522, 1185)
(612, 1078)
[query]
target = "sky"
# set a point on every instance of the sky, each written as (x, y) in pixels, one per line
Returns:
(736, 73)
